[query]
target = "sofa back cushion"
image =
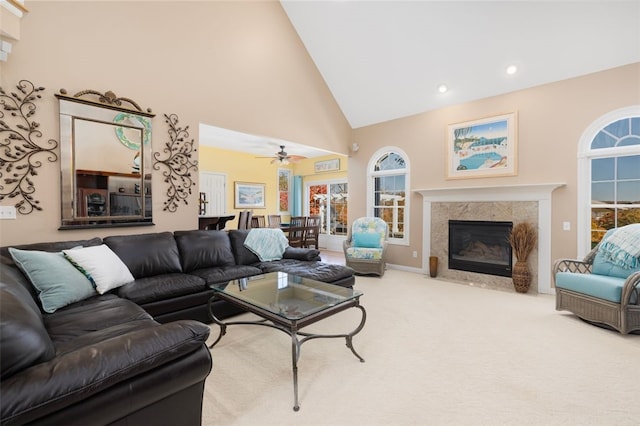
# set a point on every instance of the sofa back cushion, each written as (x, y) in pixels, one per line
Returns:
(23, 337)
(147, 255)
(204, 249)
(243, 255)
(58, 246)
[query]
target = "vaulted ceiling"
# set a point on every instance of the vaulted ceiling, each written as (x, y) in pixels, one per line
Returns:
(384, 60)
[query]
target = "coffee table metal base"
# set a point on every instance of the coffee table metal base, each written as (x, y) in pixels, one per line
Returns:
(292, 328)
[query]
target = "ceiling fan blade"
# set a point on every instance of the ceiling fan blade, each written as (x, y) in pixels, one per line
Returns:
(296, 158)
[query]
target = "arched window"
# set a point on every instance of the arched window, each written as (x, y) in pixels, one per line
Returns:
(387, 186)
(609, 175)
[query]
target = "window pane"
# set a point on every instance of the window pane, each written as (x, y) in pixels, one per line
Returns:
(602, 169)
(635, 126)
(338, 208)
(602, 140)
(390, 161)
(601, 221)
(629, 141)
(602, 193)
(629, 167)
(628, 216)
(620, 128)
(628, 192)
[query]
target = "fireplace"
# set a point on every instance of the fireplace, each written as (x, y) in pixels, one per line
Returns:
(480, 246)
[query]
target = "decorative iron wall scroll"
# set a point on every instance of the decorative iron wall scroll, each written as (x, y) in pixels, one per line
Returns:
(178, 165)
(20, 152)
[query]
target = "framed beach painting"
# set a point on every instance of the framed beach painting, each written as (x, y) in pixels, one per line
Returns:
(482, 148)
(249, 195)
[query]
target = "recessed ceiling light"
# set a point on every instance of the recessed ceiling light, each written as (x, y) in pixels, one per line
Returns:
(442, 88)
(512, 69)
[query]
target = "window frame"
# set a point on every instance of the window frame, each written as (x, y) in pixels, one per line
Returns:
(372, 174)
(585, 155)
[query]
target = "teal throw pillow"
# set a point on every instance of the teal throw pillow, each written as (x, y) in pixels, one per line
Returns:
(602, 266)
(366, 240)
(57, 282)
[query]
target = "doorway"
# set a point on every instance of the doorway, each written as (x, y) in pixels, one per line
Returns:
(329, 200)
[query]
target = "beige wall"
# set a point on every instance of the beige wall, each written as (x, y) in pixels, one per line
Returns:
(551, 119)
(238, 65)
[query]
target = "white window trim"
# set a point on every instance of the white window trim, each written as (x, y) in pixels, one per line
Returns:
(585, 155)
(407, 202)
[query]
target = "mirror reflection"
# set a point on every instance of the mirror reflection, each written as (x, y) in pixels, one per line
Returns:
(106, 165)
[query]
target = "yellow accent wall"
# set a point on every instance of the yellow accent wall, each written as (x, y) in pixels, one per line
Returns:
(242, 167)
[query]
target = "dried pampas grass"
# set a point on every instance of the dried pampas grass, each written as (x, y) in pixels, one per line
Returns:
(523, 239)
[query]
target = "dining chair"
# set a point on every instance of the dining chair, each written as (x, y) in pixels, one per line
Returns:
(312, 231)
(274, 220)
(258, 221)
(296, 232)
(244, 219)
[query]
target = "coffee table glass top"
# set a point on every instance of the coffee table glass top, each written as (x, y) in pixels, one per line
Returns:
(289, 296)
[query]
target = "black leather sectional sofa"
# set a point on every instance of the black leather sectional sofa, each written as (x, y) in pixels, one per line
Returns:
(135, 355)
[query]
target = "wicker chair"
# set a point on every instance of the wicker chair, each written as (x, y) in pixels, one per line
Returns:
(366, 245)
(598, 291)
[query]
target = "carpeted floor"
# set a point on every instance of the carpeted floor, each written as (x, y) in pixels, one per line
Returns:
(436, 353)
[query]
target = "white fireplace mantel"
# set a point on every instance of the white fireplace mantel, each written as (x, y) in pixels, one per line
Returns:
(529, 192)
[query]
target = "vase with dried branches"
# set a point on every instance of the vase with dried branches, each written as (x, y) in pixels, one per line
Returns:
(523, 239)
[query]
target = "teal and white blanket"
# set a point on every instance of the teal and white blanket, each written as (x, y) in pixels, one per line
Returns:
(267, 243)
(622, 247)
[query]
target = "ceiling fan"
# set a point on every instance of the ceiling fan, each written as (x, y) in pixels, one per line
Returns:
(283, 158)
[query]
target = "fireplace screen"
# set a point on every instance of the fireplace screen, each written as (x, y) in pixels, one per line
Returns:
(480, 246)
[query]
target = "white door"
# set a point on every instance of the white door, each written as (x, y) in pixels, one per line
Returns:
(214, 185)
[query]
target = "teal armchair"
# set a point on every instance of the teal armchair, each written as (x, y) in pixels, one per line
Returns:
(366, 245)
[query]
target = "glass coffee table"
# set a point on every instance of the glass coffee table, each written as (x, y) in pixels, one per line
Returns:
(288, 303)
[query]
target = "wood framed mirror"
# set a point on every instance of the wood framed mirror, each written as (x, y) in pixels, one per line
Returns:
(105, 153)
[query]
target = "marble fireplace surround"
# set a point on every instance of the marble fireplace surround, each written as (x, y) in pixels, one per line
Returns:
(509, 203)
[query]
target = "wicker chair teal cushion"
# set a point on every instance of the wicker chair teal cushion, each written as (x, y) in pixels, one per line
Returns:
(600, 286)
(366, 239)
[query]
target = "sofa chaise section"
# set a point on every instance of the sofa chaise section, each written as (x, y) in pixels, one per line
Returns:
(103, 360)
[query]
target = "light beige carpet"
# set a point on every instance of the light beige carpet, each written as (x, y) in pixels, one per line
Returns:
(436, 353)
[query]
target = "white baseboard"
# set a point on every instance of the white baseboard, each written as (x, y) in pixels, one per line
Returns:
(406, 268)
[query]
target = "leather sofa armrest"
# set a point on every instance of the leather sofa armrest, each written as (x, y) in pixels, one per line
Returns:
(69, 378)
(305, 254)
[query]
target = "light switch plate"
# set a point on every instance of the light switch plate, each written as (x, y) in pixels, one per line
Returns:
(7, 212)
(566, 226)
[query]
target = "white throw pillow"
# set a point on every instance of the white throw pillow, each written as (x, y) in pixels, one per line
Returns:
(101, 265)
